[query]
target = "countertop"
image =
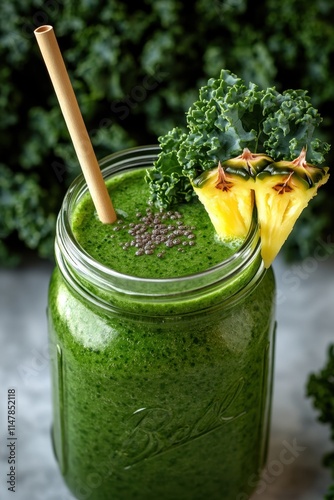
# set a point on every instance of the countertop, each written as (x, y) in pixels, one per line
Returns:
(305, 328)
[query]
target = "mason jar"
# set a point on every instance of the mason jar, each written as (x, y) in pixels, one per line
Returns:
(161, 387)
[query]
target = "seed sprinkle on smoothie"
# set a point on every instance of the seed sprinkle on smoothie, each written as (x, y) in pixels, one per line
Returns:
(146, 241)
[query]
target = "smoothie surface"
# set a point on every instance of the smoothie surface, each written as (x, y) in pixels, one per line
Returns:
(188, 241)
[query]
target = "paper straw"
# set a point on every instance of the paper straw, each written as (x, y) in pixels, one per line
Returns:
(81, 141)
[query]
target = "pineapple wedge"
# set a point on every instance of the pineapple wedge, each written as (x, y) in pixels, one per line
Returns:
(228, 200)
(226, 193)
(282, 191)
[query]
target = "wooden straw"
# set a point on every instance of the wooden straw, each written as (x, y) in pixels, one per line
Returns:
(68, 103)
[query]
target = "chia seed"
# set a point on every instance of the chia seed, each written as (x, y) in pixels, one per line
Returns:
(155, 229)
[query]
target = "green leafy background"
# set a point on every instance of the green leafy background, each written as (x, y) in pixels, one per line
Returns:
(136, 68)
(320, 387)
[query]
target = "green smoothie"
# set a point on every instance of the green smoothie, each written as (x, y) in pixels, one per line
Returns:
(185, 243)
(159, 396)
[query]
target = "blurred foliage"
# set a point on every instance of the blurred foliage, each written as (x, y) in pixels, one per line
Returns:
(320, 387)
(136, 68)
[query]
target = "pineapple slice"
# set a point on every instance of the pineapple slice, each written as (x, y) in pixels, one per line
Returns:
(228, 199)
(282, 191)
(227, 193)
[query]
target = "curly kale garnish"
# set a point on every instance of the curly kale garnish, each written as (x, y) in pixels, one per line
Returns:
(167, 182)
(228, 117)
(289, 126)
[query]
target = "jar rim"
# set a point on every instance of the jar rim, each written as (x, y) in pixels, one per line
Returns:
(78, 261)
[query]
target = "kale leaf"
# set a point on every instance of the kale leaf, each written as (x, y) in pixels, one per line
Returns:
(166, 180)
(227, 117)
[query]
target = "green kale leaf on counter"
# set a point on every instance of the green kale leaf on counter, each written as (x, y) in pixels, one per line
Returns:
(320, 388)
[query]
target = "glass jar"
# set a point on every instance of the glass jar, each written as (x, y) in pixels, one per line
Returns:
(161, 387)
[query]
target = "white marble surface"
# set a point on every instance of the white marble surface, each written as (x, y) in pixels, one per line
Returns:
(305, 319)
